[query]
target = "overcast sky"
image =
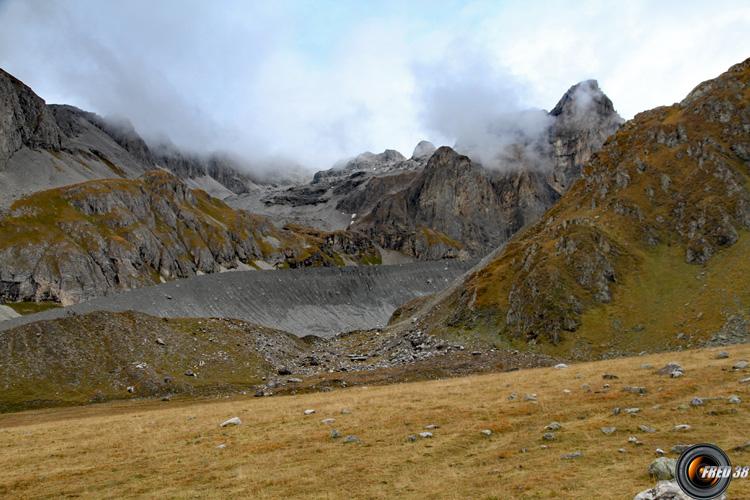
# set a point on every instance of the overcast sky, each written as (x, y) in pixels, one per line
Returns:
(315, 81)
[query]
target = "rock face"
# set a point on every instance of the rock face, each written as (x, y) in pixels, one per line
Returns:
(665, 195)
(454, 206)
(70, 244)
(583, 119)
(24, 120)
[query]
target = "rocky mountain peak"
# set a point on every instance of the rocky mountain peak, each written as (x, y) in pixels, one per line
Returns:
(26, 121)
(583, 119)
(423, 149)
(583, 97)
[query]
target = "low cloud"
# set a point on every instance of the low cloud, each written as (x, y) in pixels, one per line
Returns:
(295, 83)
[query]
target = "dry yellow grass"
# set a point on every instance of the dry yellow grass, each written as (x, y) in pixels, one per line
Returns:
(169, 450)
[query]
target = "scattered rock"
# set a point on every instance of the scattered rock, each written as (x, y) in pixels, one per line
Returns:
(160, 341)
(411, 438)
(616, 410)
(570, 456)
(431, 427)
(345, 411)
(622, 450)
(662, 469)
(351, 439)
(328, 421)
(530, 397)
(745, 380)
(294, 380)
(722, 355)
(632, 411)
(634, 390)
(672, 369)
(284, 371)
(696, 402)
(679, 448)
(486, 432)
(634, 440)
(664, 490)
(610, 376)
(682, 427)
(646, 428)
(660, 452)
(560, 366)
(548, 436)
(131, 389)
(734, 399)
(647, 366)
(231, 421)
(189, 373)
(567, 391)
(425, 434)
(740, 365)
(221, 446)
(335, 434)
(553, 426)
(608, 430)
(586, 387)
(309, 412)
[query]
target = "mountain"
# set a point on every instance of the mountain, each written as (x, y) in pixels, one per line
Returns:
(337, 196)
(455, 206)
(647, 251)
(44, 146)
(76, 242)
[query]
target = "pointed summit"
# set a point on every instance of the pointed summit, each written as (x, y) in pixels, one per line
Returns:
(583, 98)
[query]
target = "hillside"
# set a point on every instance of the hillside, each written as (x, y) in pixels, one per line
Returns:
(177, 449)
(647, 251)
(100, 356)
(76, 242)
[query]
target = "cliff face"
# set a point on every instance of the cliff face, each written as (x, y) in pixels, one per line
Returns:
(70, 244)
(24, 120)
(647, 251)
(583, 119)
(455, 207)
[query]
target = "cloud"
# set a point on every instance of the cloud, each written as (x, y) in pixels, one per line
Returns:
(311, 82)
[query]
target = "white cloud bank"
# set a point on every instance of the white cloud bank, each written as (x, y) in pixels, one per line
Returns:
(315, 82)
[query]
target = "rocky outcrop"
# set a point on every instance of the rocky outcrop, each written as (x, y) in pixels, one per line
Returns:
(456, 207)
(25, 120)
(658, 224)
(583, 119)
(78, 242)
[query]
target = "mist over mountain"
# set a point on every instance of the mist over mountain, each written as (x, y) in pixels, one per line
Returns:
(281, 85)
